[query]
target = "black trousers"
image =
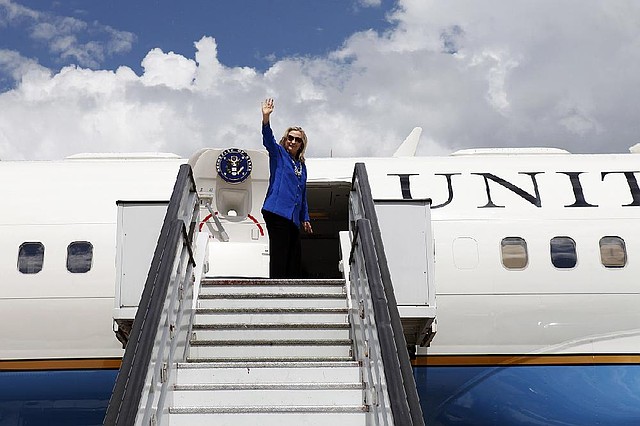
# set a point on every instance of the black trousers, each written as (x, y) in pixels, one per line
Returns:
(284, 246)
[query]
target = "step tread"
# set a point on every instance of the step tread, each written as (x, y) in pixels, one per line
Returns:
(271, 310)
(269, 386)
(268, 326)
(272, 342)
(212, 282)
(268, 359)
(271, 409)
(276, 364)
(272, 296)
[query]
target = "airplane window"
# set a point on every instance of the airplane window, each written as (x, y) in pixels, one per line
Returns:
(563, 252)
(514, 253)
(30, 258)
(79, 257)
(613, 252)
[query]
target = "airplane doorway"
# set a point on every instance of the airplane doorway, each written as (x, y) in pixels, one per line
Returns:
(329, 212)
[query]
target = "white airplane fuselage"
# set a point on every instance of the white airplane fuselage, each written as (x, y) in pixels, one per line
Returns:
(516, 339)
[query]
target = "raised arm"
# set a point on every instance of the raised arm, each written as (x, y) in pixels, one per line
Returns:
(268, 140)
(267, 109)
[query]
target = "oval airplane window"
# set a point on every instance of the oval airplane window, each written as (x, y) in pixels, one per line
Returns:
(514, 253)
(563, 252)
(465, 253)
(79, 257)
(30, 258)
(613, 252)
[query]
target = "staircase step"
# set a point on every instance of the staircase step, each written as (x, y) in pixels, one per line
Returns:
(213, 282)
(272, 326)
(271, 315)
(271, 394)
(270, 288)
(268, 372)
(258, 349)
(346, 416)
(268, 343)
(292, 300)
(266, 358)
(271, 331)
(270, 295)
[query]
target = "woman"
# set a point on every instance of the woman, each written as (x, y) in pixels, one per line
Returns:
(285, 206)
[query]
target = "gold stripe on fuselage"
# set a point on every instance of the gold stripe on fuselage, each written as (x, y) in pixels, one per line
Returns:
(424, 360)
(61, 364)
(515, 360)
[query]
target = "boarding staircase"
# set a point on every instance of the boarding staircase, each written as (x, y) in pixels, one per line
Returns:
(262, 352)
(270, 352)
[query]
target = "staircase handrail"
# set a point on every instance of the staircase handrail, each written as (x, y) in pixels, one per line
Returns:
(176, 238)
(401, 386)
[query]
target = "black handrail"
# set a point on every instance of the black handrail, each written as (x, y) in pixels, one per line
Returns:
(127, 391)
(397, 365)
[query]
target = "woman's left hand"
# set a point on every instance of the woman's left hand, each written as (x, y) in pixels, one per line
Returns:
(307, 227)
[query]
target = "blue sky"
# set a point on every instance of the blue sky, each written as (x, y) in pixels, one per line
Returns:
(253, 33)
(358, 75)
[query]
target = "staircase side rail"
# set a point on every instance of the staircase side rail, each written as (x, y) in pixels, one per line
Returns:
(172, 264)
(361, 205)
(171, 337)
(181, 204)
(367, 315)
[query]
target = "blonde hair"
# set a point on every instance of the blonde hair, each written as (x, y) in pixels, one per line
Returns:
(300, 155)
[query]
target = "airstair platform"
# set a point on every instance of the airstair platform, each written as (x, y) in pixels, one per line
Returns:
(269, 352)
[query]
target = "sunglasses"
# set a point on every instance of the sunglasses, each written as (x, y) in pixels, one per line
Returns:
(294, 138)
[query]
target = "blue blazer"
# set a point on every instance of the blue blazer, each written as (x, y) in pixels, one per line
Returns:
(287, 193)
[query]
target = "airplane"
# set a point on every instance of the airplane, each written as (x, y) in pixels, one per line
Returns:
(535, 266)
